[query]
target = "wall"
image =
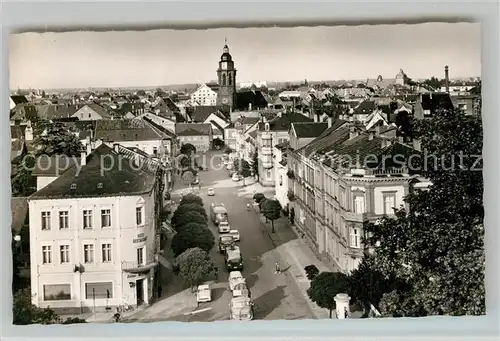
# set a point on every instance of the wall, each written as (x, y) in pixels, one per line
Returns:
(281, 183)
(42, 181)
(163, 122)
(204, 96)
(86, 113)
(120, 235)
(379, 198)
(145, 146)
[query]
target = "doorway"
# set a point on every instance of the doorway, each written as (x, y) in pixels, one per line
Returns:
(139, 291)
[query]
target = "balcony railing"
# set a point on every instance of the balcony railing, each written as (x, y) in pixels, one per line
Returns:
(388, 171)
(267, 164)
(136, 267)
(266, 151)
(354, 217)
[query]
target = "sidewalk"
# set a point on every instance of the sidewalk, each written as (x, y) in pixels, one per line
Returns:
(295, 255)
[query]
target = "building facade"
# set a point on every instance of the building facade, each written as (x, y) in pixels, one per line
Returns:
(94, 241)
(226, 78)
(198, 134)
(204, 96)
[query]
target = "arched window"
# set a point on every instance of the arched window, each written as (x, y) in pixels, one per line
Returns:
(230, 80)
(224, 79)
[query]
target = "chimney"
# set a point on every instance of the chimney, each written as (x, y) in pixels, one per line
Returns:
(136, 160)
(416, 144)
(89, 148)
(316, 118)
(83, 158)
(377, 130)
(28, 132)
(87, 139)
(446, 79)
(401, 139)
(329, 122)
(370, 135)
(116, 147)
(352, 132)
(249, 106)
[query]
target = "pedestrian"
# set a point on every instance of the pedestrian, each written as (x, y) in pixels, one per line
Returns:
(216, 273)
(278, 269)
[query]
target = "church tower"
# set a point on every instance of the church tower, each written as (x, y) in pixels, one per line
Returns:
(226, 76)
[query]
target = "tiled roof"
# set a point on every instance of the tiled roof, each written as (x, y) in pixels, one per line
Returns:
(19, 208)
(309, 129)
(357, 148)
(106, 173)
(244, 98)
(201, 113)
(192, 129)
(19, 99)
(24, 112)
(253, 134)
(16, 148)
(126, 130)
(213, 86)
(100, 110)
(159, 127)
(328, 136)
(436, 100)
(54, 111)
(84, 128)
(54, 165)
(364, 108)
(284, 122)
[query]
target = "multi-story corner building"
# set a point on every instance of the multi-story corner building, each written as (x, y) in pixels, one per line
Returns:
(94, 233)
(271, 133)
(341, 180)
(205, 94)
(199, 135)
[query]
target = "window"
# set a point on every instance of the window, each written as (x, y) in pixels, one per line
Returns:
(46, 254)
(106, 218)
(140, 256)
(56, 292)
(106, 253)
(45, 220)
(64, 254)
(342, 197)
(354, 238)
(88, 253)
(155, 150)
(87, 219)
(389, 203)
(138, 215)
(359, 203)
(63, 219)
(102, 290)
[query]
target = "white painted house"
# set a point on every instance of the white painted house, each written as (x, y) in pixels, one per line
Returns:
(93, 236)
(205, 95)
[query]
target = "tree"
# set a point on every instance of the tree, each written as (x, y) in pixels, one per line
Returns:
(192, 235)
(188, 149)
(191, 207)
(43, 94)
(191, 199)
(434, 83)
(194, 266)
(437, 247)
(243, 168)
(258, 197)
(27, 313)
(218, 143)
(311, 271)
(367, 285)
(180, 219)
(255, 164)
(22, 182)
(56, 140)
(324, 287)
(271, 209)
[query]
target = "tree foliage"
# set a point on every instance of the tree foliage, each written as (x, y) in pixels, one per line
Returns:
(311, 271)
(242, 167)
(434, 83)
(218, 143)
(56, 140)
(194, 266)
(324, 287)
(179, 219)
(188, 149)
(437, 247)
(192, 235)
(191, 207)
(271, 209)
(191, 199)
(255, 164)
(22, 182)
(258, 197)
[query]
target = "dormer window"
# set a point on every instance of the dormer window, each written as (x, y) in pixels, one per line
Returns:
(73, 186)
(266, 126)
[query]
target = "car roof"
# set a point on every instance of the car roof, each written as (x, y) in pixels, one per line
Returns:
(203, 286)
(234, 231)
(235, 273)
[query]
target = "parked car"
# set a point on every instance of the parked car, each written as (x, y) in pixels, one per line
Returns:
(224, 227)
(236, 177)
(235, 277)
(225, 241)
(210, 192)
(235, 234)
(195, 182)
(204, 293)
(229, 166)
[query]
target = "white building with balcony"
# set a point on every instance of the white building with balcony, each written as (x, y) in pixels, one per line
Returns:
(94, 233)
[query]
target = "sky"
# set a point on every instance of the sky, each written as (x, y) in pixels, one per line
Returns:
(162, 57)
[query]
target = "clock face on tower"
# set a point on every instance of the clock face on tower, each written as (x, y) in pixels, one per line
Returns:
(223, 65)
(225, 100)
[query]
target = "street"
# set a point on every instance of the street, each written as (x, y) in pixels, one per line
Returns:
(276, 296)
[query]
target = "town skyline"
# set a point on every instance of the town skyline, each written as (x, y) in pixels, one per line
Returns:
(138, 59)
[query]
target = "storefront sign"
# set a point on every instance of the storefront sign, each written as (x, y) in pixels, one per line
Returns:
(140, 238)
